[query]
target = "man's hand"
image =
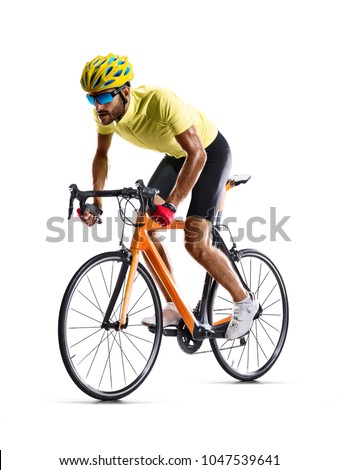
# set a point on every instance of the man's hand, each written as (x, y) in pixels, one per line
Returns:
(87, 217)
(163, 215)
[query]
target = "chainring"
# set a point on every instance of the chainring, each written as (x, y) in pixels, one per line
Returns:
(185, 340)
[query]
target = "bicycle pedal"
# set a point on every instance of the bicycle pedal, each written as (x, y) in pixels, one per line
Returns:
(259, 313)
(243, 340)
(170, 331)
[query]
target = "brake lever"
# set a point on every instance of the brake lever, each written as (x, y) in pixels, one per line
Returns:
(73, 192)
(141, 199)
(149, 194)
(151, 205)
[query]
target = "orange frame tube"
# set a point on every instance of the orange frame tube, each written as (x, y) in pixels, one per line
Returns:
(141, 242)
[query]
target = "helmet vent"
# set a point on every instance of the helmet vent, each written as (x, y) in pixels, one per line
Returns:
(109, 69)
(92, 78)
(97, 81)
(108, 83)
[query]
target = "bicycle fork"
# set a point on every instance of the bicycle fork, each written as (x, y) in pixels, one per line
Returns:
(131, 259)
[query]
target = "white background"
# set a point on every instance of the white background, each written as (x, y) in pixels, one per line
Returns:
(266, 73)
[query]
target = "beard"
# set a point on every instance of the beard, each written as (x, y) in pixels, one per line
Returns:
(107, 117)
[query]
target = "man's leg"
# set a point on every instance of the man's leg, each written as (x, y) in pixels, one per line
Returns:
(170, 313)
(154, 236)
(198, 244)
(164, 179)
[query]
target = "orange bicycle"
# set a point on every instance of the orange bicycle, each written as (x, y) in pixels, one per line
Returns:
(108, 351)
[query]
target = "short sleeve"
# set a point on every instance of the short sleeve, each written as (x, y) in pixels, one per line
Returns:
(100, 128)
(174, 112)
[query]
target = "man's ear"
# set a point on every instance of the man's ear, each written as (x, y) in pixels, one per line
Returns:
(126, 92)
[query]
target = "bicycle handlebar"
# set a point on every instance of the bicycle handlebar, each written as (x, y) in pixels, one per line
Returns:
(144, 194)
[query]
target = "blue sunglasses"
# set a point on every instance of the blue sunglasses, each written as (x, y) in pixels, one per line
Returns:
(104, 98)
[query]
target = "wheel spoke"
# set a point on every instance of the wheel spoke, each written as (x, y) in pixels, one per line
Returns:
(84, 327)
(104, 281)
(260, 347)
(89, 336)
(257, 348)
(108, 358)
(127, 336)
(243, 272)
(94, 349)
(250, 274)
(111, 278)
(83, 314)
(137, 301)
(262, 320)
(97, 350)
(138, 311)
(260, 285)
(269, 294)
(95, 296)
(123, 354)
(248, 354)
(138, 337)
(240, 359)
(90, 302)
(226, 300)
(265, 308)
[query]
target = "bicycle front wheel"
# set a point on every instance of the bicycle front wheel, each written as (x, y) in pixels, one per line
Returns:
(105, 363)
(253, 355)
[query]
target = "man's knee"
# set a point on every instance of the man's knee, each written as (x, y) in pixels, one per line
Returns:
(197, 234)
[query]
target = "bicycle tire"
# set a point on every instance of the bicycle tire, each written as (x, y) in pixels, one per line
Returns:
(253, 359)
(130, 353)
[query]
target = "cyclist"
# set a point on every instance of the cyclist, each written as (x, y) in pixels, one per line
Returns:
(197, 160)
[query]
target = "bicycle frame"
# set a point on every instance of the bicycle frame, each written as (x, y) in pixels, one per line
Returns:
(199, 328)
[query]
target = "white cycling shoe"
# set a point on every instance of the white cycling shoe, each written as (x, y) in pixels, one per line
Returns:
(242, 318)
(170, 316)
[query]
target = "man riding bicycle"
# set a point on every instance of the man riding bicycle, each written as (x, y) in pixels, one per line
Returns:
(197, 160)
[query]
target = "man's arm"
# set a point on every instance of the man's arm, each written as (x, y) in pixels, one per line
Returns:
(193, 165)
(100, 164)
(100, 171)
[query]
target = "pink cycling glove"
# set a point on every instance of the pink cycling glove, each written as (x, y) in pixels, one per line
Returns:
(163, 215)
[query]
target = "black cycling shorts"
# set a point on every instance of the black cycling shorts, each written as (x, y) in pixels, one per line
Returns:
(208, 190)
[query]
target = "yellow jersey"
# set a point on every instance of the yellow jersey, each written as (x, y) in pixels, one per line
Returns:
(154, 117)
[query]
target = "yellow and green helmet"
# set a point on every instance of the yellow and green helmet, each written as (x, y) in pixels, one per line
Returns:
(103, 72)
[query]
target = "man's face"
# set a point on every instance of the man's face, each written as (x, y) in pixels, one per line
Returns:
(109, 112)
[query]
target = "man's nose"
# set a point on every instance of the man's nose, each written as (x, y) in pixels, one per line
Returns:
(97, 104)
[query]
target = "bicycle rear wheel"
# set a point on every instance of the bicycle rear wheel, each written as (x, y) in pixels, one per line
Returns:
(253, 355)
(105, 363)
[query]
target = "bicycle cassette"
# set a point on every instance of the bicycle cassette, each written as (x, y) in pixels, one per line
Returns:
(185, 341)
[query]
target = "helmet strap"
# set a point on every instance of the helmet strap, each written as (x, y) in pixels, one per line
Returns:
(123, 98)
(124, 101)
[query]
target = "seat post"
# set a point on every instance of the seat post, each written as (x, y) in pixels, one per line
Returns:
(217, 220)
